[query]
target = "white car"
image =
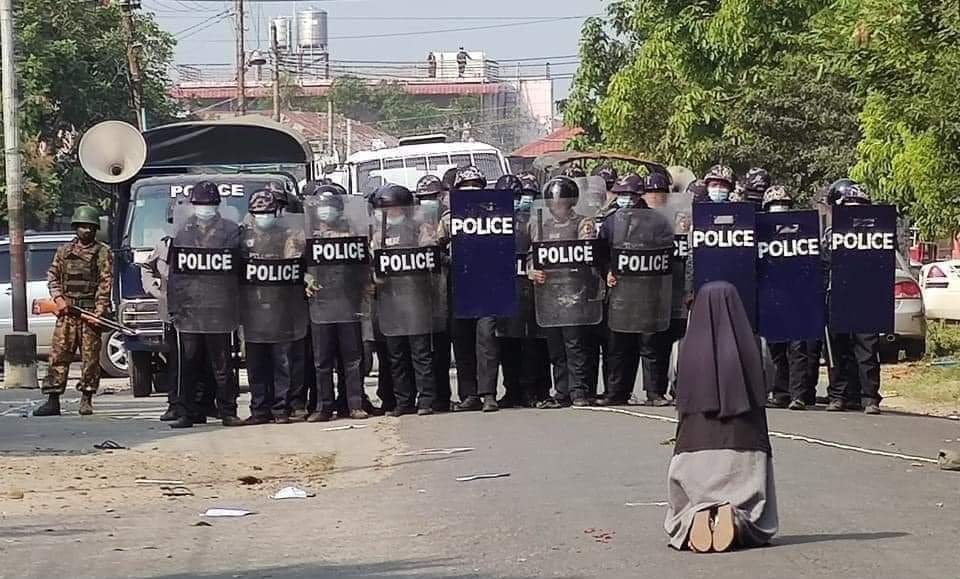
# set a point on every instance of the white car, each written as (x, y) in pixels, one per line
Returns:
(940, 283)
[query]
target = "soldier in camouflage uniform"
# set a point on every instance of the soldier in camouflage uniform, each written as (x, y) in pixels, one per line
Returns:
(81, 275)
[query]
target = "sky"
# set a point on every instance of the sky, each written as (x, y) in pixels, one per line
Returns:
(205, 32)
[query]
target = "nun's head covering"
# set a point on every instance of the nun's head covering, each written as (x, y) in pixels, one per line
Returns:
(719, 370)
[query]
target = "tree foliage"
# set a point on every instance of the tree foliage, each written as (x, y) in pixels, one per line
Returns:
(812, 90)
(71, 74)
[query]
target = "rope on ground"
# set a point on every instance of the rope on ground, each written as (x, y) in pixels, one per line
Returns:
(783, 435)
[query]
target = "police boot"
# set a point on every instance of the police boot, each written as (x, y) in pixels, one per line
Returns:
(86, 404)
(170, 415)
(49, 408)
(490, 403)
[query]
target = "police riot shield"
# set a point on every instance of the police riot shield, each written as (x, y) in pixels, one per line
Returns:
(790, 290)
(482, 253)
(724, 249)
(593, 195)
(571, 262)
(338, 277)
(523, 324)
(273, 308)
(863, 269)
(203, 289)
(641, 259)
(679, 212)
(407, 266)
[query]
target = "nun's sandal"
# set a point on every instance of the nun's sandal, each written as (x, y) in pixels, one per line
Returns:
(724, 531)
(701, 535)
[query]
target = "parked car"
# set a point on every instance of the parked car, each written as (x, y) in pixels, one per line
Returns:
(940, 282)
(40, 248)
(910, 325)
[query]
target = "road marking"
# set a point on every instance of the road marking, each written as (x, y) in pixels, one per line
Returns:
(783, 435)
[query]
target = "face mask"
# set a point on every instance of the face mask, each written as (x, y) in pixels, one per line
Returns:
(524, 203)
(718, 194)
(328, 214)
(624, 201)
(264, 221)
(430, 203)
(394, 219)
(205, 212)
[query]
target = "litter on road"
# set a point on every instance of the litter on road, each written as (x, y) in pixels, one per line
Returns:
(429, 451)
(219, 512)
(482, 476)
(291, 493)
(109, 445)
(345, 427)
(647, 504)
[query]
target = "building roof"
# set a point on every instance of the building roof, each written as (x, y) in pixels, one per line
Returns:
(552, 143)
(222, 91)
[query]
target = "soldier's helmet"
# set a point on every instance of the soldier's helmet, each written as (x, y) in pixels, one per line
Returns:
(205, 193)
(510, 183)
(698, 190)
(561, 188)
(327, 196)
(721, 173)
(85, 215)
(470, 176)
(263, 201)
(842, 188)
(756, 180)
(608, 174)
(656, 182)
(449, 178)
(776, 194)
(429, 185)
(392, 195)
(529, 183)
(573, 171)
(853, 194)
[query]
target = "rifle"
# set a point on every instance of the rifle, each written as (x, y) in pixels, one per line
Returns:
(49, 306)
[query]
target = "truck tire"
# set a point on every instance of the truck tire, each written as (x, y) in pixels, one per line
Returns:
(141, 373)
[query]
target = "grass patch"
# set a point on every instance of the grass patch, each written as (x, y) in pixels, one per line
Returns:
(924, 383)
(943, 339)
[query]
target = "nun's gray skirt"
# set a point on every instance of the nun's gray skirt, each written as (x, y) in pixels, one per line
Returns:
(709, 478)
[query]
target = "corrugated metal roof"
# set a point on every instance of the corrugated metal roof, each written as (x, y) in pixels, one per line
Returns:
(555, 141)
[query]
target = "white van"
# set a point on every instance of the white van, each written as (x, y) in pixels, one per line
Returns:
(413, 158)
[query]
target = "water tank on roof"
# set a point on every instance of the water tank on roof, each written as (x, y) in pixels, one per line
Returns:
(312, 29)
(284, 39)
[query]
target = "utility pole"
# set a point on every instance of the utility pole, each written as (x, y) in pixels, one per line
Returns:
(133, 61)
(241, 62)
(276, 72)
(21, 346)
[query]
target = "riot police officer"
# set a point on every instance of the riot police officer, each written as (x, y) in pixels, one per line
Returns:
(410, 304)
(720, 181)
(855, 376)
(202, 297)
(474, 339)
(273, 311)
(569, 298)
(431, 194)
(81, 274)
(610, 177)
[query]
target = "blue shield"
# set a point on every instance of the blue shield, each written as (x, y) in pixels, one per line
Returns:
(790, 290)
(484, 262)
(724, 248)
(863, 269)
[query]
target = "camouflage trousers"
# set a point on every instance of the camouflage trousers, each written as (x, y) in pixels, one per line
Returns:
(72, 332)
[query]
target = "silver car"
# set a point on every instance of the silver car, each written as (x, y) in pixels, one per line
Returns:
(910, 324)
(41, 248)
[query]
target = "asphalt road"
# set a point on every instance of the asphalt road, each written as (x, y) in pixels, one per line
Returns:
(844, 513)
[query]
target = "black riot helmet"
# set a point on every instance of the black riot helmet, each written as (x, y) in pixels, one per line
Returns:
(839, 189)
(449, 178)
(510, 183)
(629, 184)
(329, 198)
(698, 190)
(608, 174)
(331, 189)
(205, 193)
(656, 182)
(756, 181)
(561, 188)
(392, 195)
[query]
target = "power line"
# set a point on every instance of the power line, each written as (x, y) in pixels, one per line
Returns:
(215, 18)
(441, 31)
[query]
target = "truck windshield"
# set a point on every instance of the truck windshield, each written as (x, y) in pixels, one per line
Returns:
(150, 199)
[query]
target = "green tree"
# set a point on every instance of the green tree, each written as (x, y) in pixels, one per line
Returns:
(72, 74)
